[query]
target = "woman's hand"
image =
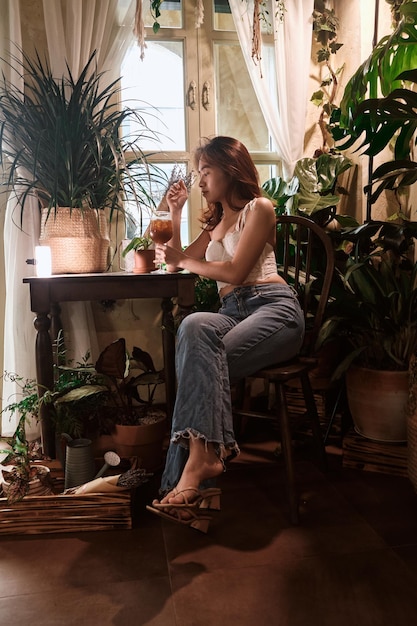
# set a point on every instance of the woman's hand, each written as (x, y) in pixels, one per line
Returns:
(171, 256)
(177, 196)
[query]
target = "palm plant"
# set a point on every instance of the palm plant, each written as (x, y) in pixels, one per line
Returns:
(62, 140)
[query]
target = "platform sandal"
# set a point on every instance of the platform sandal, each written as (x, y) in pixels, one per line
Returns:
(195, 520)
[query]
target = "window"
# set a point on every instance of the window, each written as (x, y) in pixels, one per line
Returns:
(188, 80)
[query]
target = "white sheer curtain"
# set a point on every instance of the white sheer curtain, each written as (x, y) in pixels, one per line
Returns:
(19, 332)
(74, 29)
(292, 44)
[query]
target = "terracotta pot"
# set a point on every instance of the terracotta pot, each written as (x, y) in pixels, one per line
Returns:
(412, 424)
(412, 449)
(377, 402)
(144, 261)
(79, 240)
(102, 444)
(144, 442)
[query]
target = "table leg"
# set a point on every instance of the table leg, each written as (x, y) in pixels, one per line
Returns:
(168, 347)
(45, 379)
(58, 345)
(168, 344)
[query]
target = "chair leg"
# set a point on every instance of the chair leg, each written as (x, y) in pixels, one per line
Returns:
(315, 421)
(287, 450)
(333, 415)
(242, 403)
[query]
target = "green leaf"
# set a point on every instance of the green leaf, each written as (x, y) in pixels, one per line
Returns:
(113, 360)
(79, 393)
(317, 98)
(381, 73)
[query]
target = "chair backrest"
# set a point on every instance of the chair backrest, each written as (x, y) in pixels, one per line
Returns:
(305, 259)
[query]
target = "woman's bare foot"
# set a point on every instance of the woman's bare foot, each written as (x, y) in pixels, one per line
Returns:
(202, 464)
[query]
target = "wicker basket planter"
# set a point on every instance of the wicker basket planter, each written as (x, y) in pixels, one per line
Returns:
(79, 240)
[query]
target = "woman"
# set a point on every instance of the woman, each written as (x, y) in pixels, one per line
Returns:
(259, 323)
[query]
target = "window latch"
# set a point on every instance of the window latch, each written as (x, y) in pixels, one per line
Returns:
(205, 96)
(191, 100)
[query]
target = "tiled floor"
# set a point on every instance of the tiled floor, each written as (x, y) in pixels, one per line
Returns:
(351, 561)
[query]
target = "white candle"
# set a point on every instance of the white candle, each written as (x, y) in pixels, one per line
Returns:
(43, 261)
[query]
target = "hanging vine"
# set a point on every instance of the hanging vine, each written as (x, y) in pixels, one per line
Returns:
(395, 11)
(325, 26)
(155, 9)
(261, 14)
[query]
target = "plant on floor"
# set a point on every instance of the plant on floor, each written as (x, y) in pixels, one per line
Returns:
(374, 303)
(74, 401)
(124, 402)
(18, 455)
(89, 399)
(376, 311)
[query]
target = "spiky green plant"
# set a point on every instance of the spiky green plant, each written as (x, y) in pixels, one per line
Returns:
(63, 141)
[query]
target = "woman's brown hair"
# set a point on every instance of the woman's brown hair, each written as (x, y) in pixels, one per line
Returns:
(233, 158)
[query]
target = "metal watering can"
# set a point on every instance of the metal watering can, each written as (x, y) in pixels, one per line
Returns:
(78, 463)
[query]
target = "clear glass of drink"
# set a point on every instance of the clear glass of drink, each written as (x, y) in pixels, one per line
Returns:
(160, 231)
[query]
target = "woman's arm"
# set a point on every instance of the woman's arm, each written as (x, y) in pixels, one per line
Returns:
(176, 197)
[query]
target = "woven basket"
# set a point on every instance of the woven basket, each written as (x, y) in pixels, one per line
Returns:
(79, 240)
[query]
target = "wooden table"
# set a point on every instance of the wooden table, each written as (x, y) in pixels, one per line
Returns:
(47, 293)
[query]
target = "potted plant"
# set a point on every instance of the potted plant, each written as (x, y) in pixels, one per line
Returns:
(374, 313)
(142, 246)
(21, 470)
(104, 399)
(62, 140)
(375, 310)
(137, 426)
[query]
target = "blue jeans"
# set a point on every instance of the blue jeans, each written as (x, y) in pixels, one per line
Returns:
(255, 326)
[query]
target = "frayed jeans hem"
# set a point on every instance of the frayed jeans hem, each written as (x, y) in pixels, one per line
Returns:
(223, 450)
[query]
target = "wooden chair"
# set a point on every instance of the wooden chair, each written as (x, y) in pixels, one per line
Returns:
(305, 258)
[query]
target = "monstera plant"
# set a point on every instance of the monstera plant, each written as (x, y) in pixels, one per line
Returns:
(313, 191)
(379, 105)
